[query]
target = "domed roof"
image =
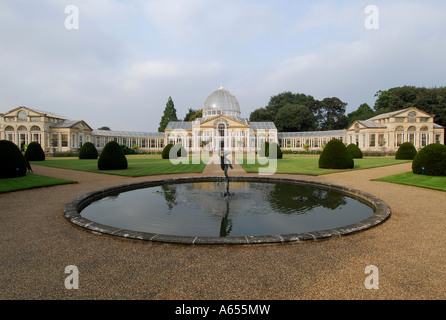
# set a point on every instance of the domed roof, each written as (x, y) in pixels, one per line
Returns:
(221, 101)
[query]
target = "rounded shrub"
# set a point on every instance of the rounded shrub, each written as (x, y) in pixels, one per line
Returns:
(265, 150)
(336, 156)
(34, 152)
(355, 151)
(112, 157)
(166, 150)
(88, 151)
(406, 151)
(432, 158)
(12, 161)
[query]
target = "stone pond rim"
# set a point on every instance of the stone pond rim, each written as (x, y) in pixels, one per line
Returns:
(72, 213)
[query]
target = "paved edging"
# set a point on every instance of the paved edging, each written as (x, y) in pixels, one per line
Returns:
(72, 209)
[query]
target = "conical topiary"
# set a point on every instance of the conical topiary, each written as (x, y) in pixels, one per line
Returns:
(88, 151)
(355, 151)
(112, 157)
(432, 158)
(34, 152)
(406, 151)
(12, 161)
(336, 156)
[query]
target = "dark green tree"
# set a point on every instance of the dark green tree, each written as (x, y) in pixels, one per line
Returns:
(363, 112)
(170, 114)
(261, 115)
(279, 101)
(190, 114)
(34, 152)
(293, 117)
(330, 114)
(104, 128)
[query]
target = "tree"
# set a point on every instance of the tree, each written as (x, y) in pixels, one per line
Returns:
(170, 114)
(104, 128)
(330, 114)
(261, 115)
(193, 114)
(363, 112)
(294, 117)
(279, 101)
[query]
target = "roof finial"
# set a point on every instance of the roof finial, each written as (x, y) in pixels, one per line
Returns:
(221, 85)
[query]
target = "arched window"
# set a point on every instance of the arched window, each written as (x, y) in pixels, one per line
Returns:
(221, 129)
(399, 136)
(424, 136)
(411, 134)
(22, 115)
(10, 134)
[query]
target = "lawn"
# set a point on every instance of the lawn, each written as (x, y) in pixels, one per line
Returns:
(309, 165)
(416, 180)
(29, 181)
(138, 166)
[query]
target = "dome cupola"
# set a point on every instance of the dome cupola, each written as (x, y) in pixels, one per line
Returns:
(221, 102)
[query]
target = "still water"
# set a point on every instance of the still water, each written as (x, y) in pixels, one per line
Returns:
(203, 210)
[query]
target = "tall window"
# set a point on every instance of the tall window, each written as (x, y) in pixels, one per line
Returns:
(221, 129)
(424, 136)
(372, 140)
(399, 136)
(64, 139)
(9, 134)
(411, 135)
(55, 140)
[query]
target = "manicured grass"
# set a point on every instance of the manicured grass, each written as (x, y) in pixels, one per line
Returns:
(416, 180)
(309, 165)
(29, 181)
(138, 166)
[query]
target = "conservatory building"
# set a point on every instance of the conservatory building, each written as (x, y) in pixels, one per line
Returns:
(220, 128)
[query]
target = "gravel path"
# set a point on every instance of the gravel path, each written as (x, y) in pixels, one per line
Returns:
(37, 243)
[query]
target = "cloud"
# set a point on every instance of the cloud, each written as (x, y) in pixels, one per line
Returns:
(128, 57)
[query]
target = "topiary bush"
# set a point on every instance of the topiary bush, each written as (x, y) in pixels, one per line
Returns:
(166, 150)
(112, 157)
(355, 151)
(128, 150)
(88, 151)
(336, 156)
(34, 152)
(12, 161)
(265, 150)
(432, 158)
(406, 151)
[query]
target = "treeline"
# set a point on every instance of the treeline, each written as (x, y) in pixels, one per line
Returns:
(299, 112)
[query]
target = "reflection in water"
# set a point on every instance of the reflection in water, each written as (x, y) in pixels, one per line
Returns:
(226, 223)
(252, 208)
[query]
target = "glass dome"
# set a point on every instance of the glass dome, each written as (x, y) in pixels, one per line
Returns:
(223, 102)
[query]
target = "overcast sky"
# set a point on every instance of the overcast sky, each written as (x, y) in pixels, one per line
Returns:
(126, 58)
